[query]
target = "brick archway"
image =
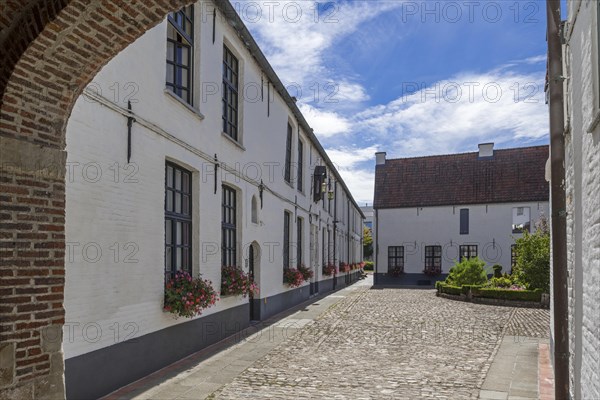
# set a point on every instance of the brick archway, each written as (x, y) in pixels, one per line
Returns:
(51, 49)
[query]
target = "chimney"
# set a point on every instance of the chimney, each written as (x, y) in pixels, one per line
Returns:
(380, 158)
(486, 150)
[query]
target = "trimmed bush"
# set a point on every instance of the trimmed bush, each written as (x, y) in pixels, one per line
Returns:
(469, 271)
(501, 282)
(368, 266)
(473, 288)
(497, 271)
(505, 294)
(449, 289)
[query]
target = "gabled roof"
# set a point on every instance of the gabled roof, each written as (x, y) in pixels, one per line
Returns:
(511, 175)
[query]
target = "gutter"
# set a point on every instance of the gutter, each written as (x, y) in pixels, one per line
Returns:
(559, 213)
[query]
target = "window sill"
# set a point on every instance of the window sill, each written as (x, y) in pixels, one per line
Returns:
(290, 184)
(233, 141)
(190, 108)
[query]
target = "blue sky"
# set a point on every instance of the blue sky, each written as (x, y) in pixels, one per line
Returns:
(409, 78)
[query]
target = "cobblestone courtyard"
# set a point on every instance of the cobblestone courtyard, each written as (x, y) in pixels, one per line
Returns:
(369, 344)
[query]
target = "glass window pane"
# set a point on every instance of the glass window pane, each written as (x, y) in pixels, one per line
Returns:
(186, 205)
(169, 198)
(178, 233)
(178, 202)
(168, 232)
(169, 176)
(186, 234)
(178, 258)
(168, 258)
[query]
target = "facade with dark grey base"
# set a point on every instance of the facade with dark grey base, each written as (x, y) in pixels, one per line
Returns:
(162, 178)
(430, 212)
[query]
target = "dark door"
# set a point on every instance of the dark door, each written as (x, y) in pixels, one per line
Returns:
(251, 274)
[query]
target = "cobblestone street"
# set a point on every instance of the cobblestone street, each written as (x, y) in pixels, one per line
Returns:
(368, 344)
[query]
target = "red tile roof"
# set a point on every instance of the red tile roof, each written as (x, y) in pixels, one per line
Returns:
(511, 175)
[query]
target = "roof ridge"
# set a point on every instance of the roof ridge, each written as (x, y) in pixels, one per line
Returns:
(465, 153)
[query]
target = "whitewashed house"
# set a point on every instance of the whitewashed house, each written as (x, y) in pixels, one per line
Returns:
(582, 163)
(186, 152)
(432, 211)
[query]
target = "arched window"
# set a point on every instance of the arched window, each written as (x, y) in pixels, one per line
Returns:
(254, 213)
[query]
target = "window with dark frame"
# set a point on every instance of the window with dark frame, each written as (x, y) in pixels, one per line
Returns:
(230, 93)
(229, 227)
(433, 258)
(464, 221)
(288, 155)
(180, 53)
(513, 257)
(467, 251)
(178, 220)
(300, 165)
(299, 245)
(395, 259)
(286, 239)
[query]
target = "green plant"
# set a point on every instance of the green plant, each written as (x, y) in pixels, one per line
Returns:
(236, 282)
(367, 242)
(305, 271)
(497, 270)
(470, 271)
(329, 269)
(533, 260)
(508, 294)
(369, 265)
(187, 297)
(501, 282)
(449, 289)
(292, 277)
(474, 289)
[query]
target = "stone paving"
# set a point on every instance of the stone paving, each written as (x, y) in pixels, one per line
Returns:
(362, 343)
(388, 343)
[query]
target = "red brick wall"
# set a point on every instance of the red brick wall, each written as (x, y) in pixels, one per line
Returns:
(51, 50)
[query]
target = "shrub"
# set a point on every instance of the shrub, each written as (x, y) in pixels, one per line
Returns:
(469, 271)
(236, 282)
(473, 288)
(187, 297)
(449, 289)
(292, 277)
(501, 282)
(369, 266)
(533, 260)
(307, 273)
(497, 271)
(508, 294)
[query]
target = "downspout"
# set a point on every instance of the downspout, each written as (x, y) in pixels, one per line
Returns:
(376, 246)
(559, 214)
(348, 230)
(335, 221)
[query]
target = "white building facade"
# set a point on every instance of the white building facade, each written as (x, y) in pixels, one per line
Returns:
(213, 165)
(582, 164)
(432, 211)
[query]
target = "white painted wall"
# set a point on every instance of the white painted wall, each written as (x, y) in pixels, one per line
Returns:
(582, 163)
(118, 296)
(490, 228)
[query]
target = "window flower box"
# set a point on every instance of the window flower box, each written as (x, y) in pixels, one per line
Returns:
(292, 277)
(329, 270)
(234, 281)
(307, 273)
(186, 296)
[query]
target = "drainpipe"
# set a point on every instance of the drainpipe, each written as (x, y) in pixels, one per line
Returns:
(375, 246)
(559, 214)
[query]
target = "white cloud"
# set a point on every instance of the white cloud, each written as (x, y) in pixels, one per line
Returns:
(324, 123)
(360, 180)
(454, 114)
(295, 38)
